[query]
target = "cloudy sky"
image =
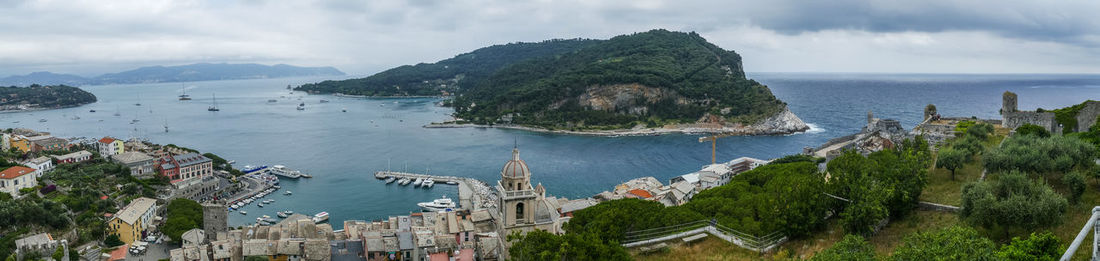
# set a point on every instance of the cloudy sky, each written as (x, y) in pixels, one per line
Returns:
(366, 36)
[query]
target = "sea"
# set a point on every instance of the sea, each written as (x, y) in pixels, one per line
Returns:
(342, 149)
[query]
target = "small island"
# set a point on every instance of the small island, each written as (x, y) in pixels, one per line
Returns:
(39, 97)
(646, 83)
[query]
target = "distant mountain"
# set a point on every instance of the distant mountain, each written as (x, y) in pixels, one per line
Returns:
(212, 71)
(42, 78)
(182, 73)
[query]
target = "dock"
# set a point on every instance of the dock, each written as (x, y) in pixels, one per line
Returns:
(472, 193)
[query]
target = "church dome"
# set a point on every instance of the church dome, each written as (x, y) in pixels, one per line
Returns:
(515, 168)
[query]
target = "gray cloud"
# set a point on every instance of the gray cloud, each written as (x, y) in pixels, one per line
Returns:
(362, 37)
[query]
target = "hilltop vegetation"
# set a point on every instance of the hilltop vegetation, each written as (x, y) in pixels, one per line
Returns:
(43, 97)
(654, 78)
(431, 79)
(180, 73)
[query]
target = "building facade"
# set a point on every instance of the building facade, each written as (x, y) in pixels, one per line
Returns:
(74, 157)
(41, 165)
(186, 166)
(110, 146)
(139, 163)
(524, 208)
(15, 178)
(131, 223)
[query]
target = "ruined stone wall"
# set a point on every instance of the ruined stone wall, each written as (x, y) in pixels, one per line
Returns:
(1087, 117)
(1013, 120)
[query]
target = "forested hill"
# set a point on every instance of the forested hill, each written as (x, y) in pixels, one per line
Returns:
(43, 97)
(450, 75)
(656, 78)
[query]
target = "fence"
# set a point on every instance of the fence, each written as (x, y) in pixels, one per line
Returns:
(654, 235)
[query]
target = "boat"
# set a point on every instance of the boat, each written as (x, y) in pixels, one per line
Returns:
(320, 217)
(260, 205)
(287, 192)
(418, 181)
(272, 100)
(442, 204)
(344, 110)
(302, 106)
(183, 95)
(214, 106)
(41, 120)
(282, 171)
(244, 212)
(75, 117)
(281, 214)
(288, 212)
(91, 110)
(390, 180)
(324, 101)
(452, 182)
(404, 181)
(428, 183)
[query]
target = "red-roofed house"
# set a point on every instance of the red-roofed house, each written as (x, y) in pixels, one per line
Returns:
(109, 146)
(639, 193)
(15, 178)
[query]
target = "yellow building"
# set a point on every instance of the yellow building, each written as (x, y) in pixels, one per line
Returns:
(21, 143)
(131, 223)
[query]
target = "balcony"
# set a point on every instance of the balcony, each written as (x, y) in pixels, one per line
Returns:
(514, 194)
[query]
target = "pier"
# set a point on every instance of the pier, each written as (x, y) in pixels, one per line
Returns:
(472, 193)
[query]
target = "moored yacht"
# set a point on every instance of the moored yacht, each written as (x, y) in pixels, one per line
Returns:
(320, 217)
(428, 183)
(442, 204)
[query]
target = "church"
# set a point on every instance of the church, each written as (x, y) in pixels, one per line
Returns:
(524, 208)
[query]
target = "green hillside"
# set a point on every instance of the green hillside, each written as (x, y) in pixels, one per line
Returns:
(429, 79)
(655, 77)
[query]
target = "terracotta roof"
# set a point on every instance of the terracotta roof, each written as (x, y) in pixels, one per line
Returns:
(641, 193)
(15, 172)
(106, 140)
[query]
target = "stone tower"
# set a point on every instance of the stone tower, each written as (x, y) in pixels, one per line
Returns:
(214, 220)
(518, 198)
(1008, 102)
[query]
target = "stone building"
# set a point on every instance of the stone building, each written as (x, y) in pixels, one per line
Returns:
(1014, 118)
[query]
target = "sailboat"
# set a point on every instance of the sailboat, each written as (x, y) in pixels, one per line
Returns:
(116, 111)
(165, 125)
(139, 101)
(184, 96)
(214, 107)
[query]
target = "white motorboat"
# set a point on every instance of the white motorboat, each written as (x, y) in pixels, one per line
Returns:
(260, 205)
(282, 171)
(404, 181)
(281, 214)
(287, 193)
(418, 181)
(452, 182)
(442, 204)
(428, 183)
(390, 180)
(244, 212)
(320, 217)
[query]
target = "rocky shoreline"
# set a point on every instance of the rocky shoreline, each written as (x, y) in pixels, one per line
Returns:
(783, 123)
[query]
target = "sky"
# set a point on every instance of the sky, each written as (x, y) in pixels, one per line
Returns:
(362, 37)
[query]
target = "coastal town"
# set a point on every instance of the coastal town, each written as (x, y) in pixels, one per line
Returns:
(138, 218)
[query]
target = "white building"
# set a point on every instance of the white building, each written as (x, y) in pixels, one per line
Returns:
(15, 178)
(41, 165)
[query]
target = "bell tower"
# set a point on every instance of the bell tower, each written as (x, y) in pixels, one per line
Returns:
(518, 199)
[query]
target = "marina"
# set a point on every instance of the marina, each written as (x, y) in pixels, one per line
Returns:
(472, 193)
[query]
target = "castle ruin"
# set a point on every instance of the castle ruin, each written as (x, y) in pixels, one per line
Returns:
(1014, 118)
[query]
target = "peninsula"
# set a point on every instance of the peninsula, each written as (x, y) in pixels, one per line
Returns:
(639, 84)
(180, 73)
(38, 97)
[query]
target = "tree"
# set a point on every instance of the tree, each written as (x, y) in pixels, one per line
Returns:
(1044, 246)
(113, 241)
(969, 144)
(183, 215)
(951, 159)
(952, 243)
(850, 248)
(542, 245)
(59, 253)
(255, 258)
(1012, 201)
(1075, 181)
(1034, 154)
(1032, 129)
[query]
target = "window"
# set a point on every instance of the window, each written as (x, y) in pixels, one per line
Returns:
(519, 211)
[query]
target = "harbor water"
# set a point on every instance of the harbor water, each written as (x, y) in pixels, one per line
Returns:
(342, 150)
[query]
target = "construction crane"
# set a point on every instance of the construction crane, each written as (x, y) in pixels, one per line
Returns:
(714, 144)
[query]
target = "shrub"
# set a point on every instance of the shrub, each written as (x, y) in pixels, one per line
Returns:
(952, 243)
(1075, 181)
(1032, 129)
(1045, 246)
(1012, 201)
(850, 248)
(112, 240)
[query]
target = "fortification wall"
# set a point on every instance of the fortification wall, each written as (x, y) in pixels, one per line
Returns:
(1087, 117)
(1013, 120)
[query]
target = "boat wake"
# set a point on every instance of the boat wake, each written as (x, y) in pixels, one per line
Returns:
(814, 129)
